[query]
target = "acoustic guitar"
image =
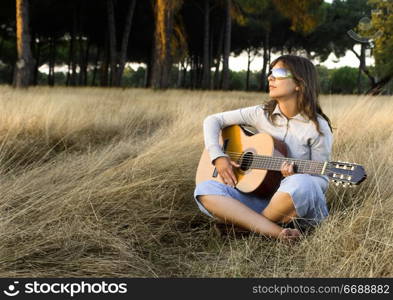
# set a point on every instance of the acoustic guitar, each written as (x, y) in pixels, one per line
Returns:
(260, 157)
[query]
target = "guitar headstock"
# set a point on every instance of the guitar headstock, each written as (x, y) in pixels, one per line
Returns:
(348, 174)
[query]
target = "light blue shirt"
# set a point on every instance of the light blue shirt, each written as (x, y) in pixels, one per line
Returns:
(298, 133)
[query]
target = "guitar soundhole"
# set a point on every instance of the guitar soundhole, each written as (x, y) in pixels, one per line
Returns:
(246, 161)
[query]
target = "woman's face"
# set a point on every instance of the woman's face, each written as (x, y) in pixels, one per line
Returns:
(281, 88)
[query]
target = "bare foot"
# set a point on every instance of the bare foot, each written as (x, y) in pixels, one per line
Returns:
(289, 235)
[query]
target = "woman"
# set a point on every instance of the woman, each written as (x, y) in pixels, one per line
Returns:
(294, 116)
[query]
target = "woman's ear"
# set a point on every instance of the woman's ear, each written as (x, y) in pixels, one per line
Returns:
(296, 88)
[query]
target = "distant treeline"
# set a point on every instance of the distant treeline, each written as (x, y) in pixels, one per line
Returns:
(342, 80)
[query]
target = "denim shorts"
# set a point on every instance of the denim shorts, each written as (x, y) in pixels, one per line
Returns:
(307, 192)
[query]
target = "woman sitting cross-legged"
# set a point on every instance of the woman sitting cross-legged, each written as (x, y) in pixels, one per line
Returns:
(294, 116)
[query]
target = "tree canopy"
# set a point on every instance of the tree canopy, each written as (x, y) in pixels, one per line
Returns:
(188, 40)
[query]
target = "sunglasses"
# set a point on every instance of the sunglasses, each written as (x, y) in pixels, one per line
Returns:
(279, 73)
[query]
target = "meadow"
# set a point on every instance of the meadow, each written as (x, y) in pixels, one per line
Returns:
(99, 183)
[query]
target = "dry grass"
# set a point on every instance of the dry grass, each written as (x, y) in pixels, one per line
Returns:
(99, 182)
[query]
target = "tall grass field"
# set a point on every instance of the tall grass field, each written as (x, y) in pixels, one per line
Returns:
(99, 183)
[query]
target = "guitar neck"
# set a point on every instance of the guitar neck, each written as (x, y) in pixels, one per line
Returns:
(300, 166)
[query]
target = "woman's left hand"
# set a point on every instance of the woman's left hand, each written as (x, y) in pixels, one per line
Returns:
(287, 169)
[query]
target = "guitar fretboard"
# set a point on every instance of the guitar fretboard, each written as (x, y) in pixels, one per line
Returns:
(274, 164)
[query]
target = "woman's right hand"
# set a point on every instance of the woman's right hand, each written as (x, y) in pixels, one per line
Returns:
(224, 167)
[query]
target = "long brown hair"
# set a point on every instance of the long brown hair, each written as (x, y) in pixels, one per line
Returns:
(306, 77)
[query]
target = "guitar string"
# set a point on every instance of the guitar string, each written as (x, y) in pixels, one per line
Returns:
(256, 157)
(272, 158)
(276, 162)
(314, 167)
(260, 161)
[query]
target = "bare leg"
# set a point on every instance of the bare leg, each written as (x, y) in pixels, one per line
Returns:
(233, 211)
(280, 208)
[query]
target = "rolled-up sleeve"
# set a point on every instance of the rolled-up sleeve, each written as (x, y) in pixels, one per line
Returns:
(213, 124)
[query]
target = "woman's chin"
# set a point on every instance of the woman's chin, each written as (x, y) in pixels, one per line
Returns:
(272, 94)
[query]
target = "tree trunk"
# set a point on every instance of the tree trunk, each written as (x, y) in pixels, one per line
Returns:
(266, 59)
(248, 69)
(179, 75)
(112, 41)
(363, 67)
(25, 62)
(118, 59)
(105, 64)
(184, 76)
(167, 65)
(1, 45)
(219, 53)
(52, 59)
(84, 47)
(124, 43)
(37, 64)
(86, 66)
(195, 81)
(84, 59)
(156, 64)
(192, 73)
(269, 56)
(376, 89)
(49, 62)
(227, 46)
(198, 72)
(206, 39)
(37, 54)
(68, 77)
(162, 57)
(211, 58)
(81, 60)
(93, 80)
(148, 72)
(71, 75)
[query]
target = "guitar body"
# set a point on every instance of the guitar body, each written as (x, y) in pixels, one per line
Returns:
(234, 139)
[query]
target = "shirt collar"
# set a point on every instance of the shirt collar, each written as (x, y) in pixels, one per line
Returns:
(299, 116)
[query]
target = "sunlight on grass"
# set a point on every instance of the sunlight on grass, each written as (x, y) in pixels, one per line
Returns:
(99, 182)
